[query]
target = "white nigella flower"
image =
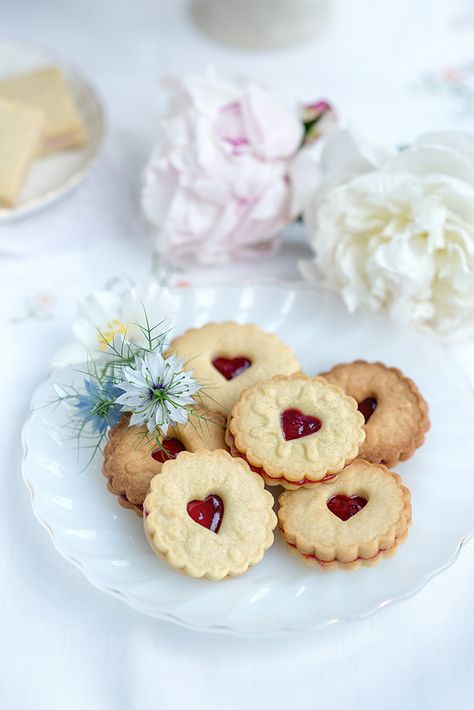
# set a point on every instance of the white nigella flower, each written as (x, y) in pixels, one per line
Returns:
(156, 391)
(104, 317)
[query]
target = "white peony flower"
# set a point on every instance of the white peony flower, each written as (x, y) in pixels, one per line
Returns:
(157, 391)
(396, 232)
(105, 317)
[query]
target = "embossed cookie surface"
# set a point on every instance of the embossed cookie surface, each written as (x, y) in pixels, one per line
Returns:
(298, 429)
(395, 411)
(360, 517)
(131, 458)
(208, 515)
(226, 358)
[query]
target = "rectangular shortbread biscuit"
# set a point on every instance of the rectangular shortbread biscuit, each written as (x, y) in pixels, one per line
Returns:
(21, 131)
(47, 90)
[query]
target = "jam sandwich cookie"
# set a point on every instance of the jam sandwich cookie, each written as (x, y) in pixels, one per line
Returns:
(297, 430)
(208, 515)
(396, 415)
(355, 520)
(226, 358)
(131, 457)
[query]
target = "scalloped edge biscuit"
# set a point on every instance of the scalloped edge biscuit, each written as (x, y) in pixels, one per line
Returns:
(269, 481)
(246, 531)
(399, 423)
(269, 356)
(375, 532)
(129, 466)
(256, 428)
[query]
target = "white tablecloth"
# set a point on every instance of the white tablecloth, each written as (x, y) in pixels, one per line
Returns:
(394, 69)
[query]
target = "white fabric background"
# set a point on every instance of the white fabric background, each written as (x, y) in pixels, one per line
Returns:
(62, 643)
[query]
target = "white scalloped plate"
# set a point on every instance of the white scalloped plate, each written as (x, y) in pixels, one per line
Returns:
(280, 594)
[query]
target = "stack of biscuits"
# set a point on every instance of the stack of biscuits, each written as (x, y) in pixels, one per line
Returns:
(329, 441)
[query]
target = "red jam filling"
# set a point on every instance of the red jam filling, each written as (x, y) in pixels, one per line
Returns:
(230, 368)
(170, 449)
(263, 473)
(367, 407)
(295, 424)
(346, 506)
(208, 512)
(323, 563)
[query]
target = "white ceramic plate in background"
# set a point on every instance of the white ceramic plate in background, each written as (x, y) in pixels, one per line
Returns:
(53, 176)
(280, 594)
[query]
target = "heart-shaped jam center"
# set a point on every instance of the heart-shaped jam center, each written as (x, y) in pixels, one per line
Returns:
(346, 506)
(295, 424)
(170, 449)
(231, 367)
(367, 407)
(208, 512)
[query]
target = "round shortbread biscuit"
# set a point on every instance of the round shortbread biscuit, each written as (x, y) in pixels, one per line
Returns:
(396, 413)
(360, 517)
(328, 429)
(129, 464)
(221, 543)
(245, 353)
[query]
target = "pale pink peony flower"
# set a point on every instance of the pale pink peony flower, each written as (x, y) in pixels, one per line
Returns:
(217, 184)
